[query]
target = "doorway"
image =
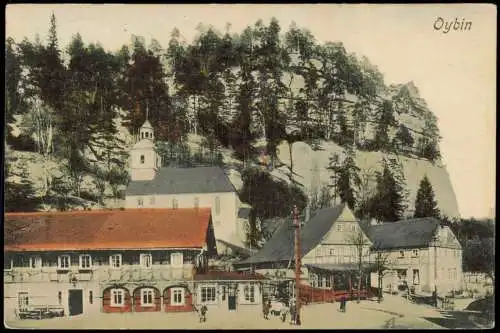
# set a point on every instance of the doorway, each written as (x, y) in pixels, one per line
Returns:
(231, 298)
(75, 302)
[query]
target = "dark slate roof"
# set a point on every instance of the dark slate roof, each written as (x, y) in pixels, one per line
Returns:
(183, 180)
(244, 212)
(412, 233)
(334, 267)
(281, 246)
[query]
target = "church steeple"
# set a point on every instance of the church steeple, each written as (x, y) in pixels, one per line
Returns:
(145, 160)
(146, 131)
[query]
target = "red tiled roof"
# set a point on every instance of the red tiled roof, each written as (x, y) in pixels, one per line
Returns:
(227, 276)
(106, 229)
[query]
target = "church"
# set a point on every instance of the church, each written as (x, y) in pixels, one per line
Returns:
(154, 186)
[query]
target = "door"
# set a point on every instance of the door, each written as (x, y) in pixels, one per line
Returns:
(75, 302)
(231, 298)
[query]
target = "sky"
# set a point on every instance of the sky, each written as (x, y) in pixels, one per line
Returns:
(455, 71)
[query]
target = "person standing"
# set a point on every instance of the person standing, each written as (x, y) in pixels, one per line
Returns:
(267, 307)
(292, 313)
(203, 313)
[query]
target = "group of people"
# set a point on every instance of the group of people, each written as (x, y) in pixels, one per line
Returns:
(283, 312)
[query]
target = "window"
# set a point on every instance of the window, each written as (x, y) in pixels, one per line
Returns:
(177, 296)
(117, 297)
(353, 227)
(140, 202)
(217, 205)
(416, 276)
(207, 294)
(196, 202)
(176, 259)
(115, 261)
(36, 262)
(152, 200)
(85, 261)
(328, 282)
(59, 297)
(174, 203)
(249, 292)
(142, 159)
(146, 260)
(414, 253)
(23, 300)
(401, 274)
(91, 297)
(332, 252)
(7, 264)
(340, 226)
(223, 293)
(401, 254)
(320, 281)
(63, 262)
(147, 297)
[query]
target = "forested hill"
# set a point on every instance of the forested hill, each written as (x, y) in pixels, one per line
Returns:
(73, 110)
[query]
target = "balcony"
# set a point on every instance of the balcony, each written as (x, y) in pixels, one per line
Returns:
(126, 273)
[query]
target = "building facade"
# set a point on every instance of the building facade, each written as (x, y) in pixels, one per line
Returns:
(105, 261)
(153, 186)
(329, 249)
(420, 253)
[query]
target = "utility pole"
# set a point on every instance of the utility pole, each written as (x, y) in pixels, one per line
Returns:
(297, 264)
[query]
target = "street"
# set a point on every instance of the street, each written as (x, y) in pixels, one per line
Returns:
(393, 312)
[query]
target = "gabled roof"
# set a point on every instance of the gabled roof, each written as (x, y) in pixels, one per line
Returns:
(281, 246)
(183, 180)
(106, 229)
(412, 233)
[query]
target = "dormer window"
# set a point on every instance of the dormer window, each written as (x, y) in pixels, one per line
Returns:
(63, 262)
(142, 159)
(36, 262)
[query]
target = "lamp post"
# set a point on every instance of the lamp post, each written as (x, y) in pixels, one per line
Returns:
(297, 264)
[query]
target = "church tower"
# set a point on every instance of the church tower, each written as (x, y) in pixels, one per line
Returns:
(144, 159)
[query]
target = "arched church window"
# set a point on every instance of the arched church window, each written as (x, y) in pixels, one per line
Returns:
(142, 159)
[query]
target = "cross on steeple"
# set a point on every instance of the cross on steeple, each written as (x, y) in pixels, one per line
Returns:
(147, 110)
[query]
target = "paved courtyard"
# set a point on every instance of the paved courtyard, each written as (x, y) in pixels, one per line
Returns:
(393, 312)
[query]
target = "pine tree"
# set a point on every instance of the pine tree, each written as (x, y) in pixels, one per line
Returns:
(20, 195)
(384, 121)
(346, 179)
(425, 203)
(403, 138)
(387, 204)
(53, 71)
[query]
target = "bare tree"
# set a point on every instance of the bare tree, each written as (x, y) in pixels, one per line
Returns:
(40, 121)
(360, 241)
(381, 263)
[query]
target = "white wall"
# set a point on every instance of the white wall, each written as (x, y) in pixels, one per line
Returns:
(224, 221)
(146, 170)
(46, 293)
